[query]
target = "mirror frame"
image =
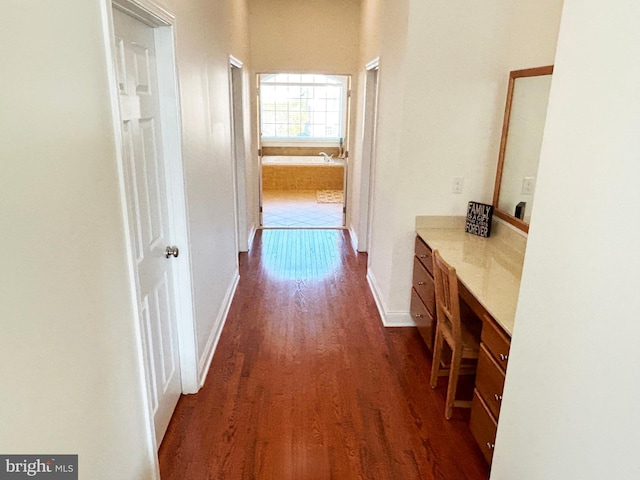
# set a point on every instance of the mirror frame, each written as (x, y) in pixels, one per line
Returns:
(513, 75)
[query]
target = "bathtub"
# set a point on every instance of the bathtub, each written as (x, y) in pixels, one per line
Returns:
(302, 173)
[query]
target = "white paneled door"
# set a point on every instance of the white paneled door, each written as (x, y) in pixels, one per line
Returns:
(148, 209)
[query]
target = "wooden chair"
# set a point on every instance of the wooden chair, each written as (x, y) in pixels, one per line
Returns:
(450, 329)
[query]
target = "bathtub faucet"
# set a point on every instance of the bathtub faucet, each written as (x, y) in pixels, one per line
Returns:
(327, 158)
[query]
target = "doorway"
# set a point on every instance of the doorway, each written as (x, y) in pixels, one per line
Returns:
(145, 92)
(368, 154)
(303, 119)
(238, 153)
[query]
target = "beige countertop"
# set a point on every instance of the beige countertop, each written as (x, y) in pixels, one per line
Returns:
(490, 268)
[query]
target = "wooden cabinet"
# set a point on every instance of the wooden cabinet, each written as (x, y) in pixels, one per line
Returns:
(489, 381)
(490, 375)
(486, 283)
(424, 286)
(423, 301)
(483, 426)
(496, 341)
(423, 254)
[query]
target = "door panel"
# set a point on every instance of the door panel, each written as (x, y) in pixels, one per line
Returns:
(149, 211)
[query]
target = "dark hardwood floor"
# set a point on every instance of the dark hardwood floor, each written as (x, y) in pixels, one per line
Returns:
(306, 383)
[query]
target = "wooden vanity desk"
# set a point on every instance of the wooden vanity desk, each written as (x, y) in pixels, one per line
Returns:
(489, 271)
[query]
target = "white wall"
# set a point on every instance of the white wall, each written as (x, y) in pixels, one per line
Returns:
(302, 36)
(387, 24)
(70, 370)
(69, 353)
(241, 49)
(383, 34)
(446, 120)
(570, 408)
(204, 41)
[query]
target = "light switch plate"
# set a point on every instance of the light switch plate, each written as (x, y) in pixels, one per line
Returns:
(528, 185)
(458, 185)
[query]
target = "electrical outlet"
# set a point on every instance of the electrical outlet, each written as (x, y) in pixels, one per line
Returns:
(528, 185)
(458, 185)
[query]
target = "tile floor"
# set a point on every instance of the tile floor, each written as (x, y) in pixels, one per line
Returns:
(298, 208)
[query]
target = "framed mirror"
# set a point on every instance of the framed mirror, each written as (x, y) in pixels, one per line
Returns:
(524, 118)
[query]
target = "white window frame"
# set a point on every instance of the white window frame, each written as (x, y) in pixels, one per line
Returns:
(344, 81)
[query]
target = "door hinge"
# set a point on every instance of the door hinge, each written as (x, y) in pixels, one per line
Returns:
(260, 208)
(344, 209)
(259, 152)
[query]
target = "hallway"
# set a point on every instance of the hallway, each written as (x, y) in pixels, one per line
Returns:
(306, 383)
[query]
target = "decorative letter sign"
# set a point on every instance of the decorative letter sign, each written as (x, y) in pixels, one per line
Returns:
(479, 219)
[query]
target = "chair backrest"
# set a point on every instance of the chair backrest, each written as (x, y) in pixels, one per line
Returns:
(447, 300)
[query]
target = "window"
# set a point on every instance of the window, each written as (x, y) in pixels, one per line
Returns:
(303, 107)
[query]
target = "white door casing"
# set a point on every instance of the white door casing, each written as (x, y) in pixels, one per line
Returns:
(238, 153)
(346, 146)
(368, 157)
(149, 212)
(259, 142)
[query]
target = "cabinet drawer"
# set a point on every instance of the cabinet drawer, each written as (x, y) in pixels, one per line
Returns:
(483, 426)
(423, 283)
(496, 341)
(489, 381)
(423, 252)
(423, 319)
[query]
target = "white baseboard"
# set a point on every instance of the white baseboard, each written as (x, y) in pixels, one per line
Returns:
(399, 319)
(354, 239)
(212, 342)
(243, 248)
(389, 318)
(252, 234)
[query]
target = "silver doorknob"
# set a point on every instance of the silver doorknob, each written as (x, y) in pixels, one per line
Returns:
(172, 251)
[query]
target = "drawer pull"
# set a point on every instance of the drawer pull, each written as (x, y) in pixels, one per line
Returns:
(422, 255)
(497, 397)
(420, 283)
(491, 446)
(418, 315)
(504, 357)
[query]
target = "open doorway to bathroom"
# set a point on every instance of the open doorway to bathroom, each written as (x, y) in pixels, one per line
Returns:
(303, 121)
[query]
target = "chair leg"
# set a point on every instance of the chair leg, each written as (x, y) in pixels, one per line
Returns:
(456, 360)
(437, 354)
